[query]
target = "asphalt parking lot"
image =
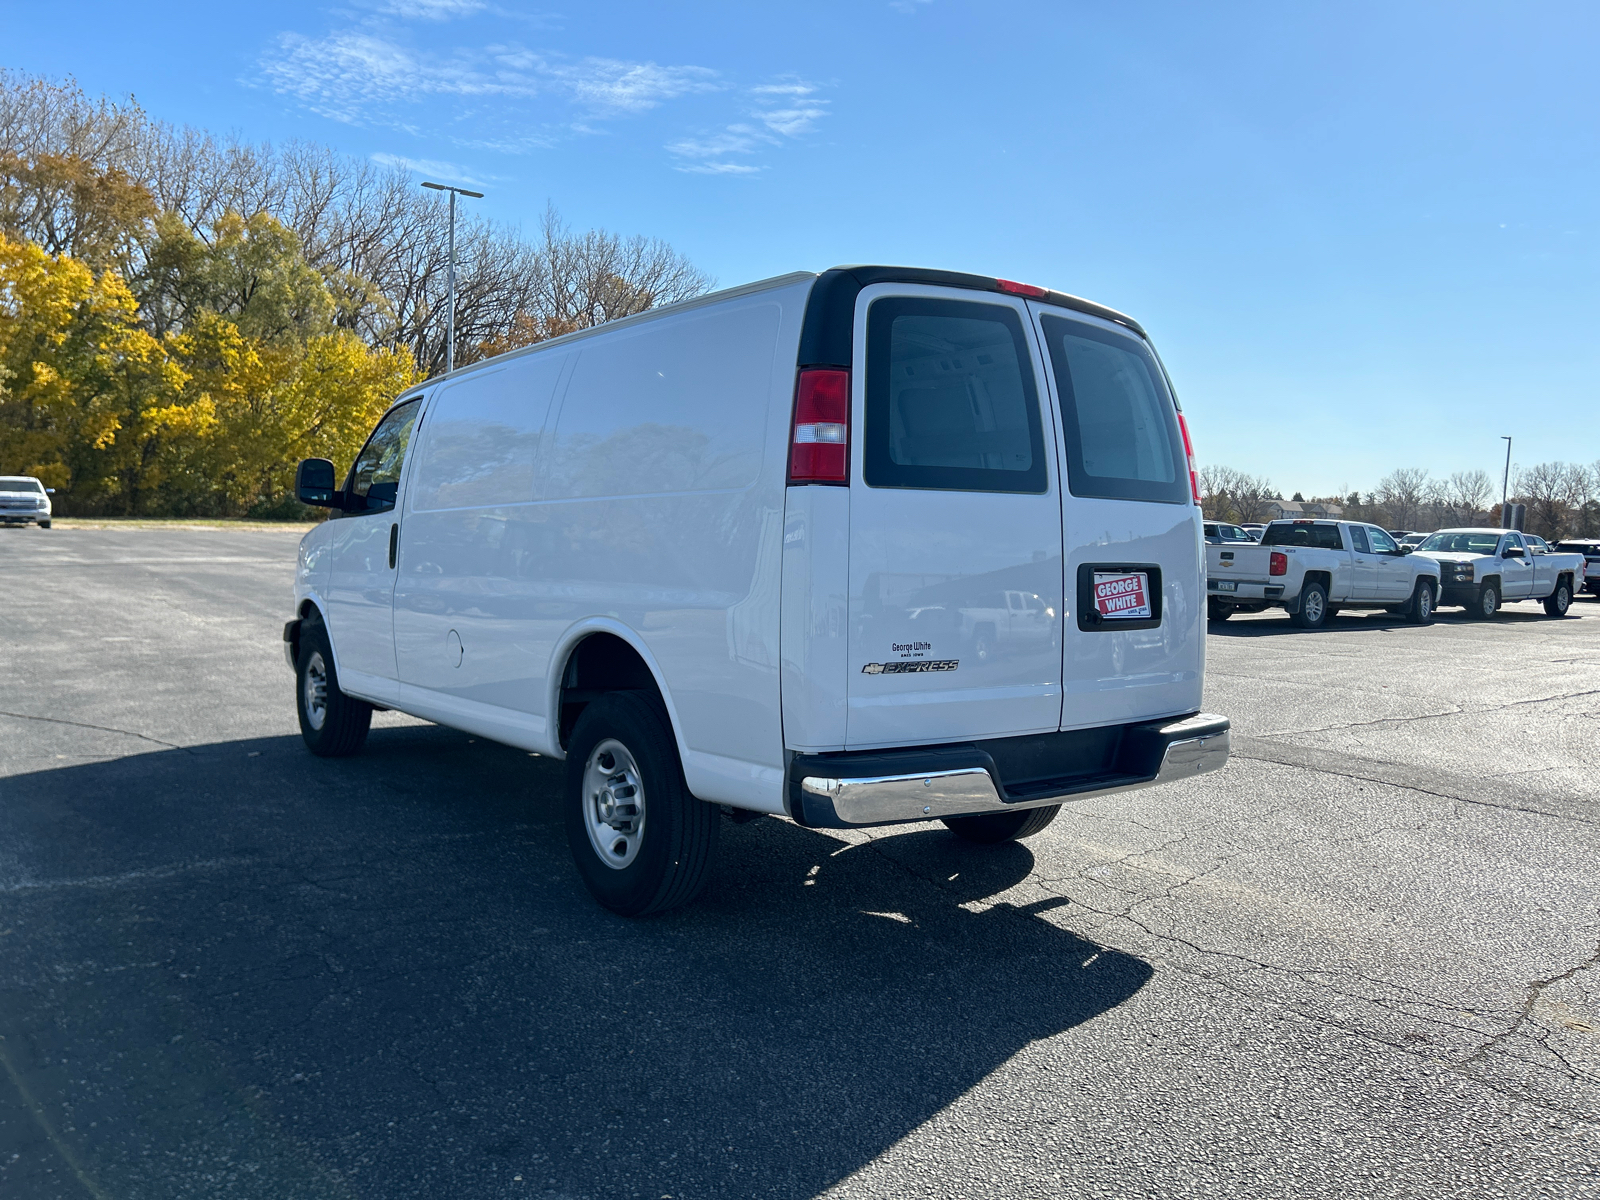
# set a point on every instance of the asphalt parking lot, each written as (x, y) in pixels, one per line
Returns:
(1361, 961)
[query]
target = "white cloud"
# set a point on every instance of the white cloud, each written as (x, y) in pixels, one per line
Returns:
(735, 139)
(907, 7)
(432, 10)
(609, 85)
(448, 172)
(720, 168)
(350, 74)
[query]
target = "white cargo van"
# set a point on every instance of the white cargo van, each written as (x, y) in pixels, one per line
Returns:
(872, 546)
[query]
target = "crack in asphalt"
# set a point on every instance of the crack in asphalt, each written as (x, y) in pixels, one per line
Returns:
(1536, 988)
(102, 728)
(1305, 758)
(1459, 710)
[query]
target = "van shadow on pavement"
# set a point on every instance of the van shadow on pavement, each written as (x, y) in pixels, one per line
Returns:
(381, 977)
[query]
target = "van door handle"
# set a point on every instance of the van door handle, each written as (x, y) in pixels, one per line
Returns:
(394, 543)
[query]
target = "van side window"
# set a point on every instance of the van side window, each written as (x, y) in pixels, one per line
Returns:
(952, 403)
(375, 476)
(1121, 426)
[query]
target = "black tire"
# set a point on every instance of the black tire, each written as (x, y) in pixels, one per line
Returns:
(1218, 610)
(1487, 605)
(340, 729)
(1423, 603)
(1313, 610)
(1558, 601)
(44, 524)
(666, 859)
(1333, 611)
(988, 829)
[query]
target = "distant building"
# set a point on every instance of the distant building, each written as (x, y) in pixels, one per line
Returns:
(1307, 510)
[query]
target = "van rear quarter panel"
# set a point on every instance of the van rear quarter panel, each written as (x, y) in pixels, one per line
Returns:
(661, 508)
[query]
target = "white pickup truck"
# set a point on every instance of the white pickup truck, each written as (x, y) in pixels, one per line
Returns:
(1484, 568)
(1312, 569)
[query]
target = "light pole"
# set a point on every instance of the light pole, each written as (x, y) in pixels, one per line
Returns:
(1505, 484)
(450, 319)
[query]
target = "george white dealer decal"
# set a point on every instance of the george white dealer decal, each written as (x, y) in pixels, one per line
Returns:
(915, 666)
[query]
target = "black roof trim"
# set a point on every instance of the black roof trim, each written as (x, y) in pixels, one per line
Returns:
(825, 339)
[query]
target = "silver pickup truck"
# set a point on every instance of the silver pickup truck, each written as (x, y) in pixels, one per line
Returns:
(1484, 568)
(1312, 569)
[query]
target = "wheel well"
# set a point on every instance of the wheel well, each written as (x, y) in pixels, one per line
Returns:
(1322, 577)
(601, 663)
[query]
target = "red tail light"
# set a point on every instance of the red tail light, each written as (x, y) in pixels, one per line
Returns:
(1188, 450)
(1279, 563)
(819, 441)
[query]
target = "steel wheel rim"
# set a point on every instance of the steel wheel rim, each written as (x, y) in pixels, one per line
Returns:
(613, 804)
(1315, 607)
(314, 691)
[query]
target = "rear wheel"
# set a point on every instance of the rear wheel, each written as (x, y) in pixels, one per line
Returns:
(1488, 602)
(1420, 610)
(1313, 610)
(1558, 601)
(333, 725)
(987, 829)
(1218, 610)
(642, 842)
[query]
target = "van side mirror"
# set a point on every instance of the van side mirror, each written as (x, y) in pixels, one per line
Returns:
(314, 484)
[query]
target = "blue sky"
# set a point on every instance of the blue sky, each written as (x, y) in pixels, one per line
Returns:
(1362, 235)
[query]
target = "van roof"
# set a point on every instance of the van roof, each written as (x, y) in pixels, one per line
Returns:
(839, 284)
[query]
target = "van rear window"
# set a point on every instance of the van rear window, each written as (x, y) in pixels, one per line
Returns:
(1288, 533)
(951, 398)
(1121, 425)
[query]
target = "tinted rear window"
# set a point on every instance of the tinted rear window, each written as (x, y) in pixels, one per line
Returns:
(951, 398)
(1322, 537)
(1121, 427)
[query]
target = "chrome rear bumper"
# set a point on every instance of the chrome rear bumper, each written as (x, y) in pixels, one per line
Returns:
(1175, 750)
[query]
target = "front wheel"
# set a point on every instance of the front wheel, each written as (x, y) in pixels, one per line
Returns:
(641, 841)
(333, 725)
(1488, 601)
(988, 829)
(1420, 610)
(1558, 601)
(1313, 610)
(44, 524)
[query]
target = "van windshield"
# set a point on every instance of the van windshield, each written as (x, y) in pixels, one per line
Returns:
(1120, 423)
(20, 485)
(1293, 533)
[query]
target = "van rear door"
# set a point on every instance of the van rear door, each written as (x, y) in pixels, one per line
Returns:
(955, 522)
(1135, 585)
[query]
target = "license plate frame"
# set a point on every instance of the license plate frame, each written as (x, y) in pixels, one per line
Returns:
(1226, 585)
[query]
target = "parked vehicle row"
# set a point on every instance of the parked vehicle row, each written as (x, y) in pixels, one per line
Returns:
(1312, 569)
(1590, 549)
(875, 546)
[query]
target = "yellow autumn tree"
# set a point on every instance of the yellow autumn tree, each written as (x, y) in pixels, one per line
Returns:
(90, 400)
